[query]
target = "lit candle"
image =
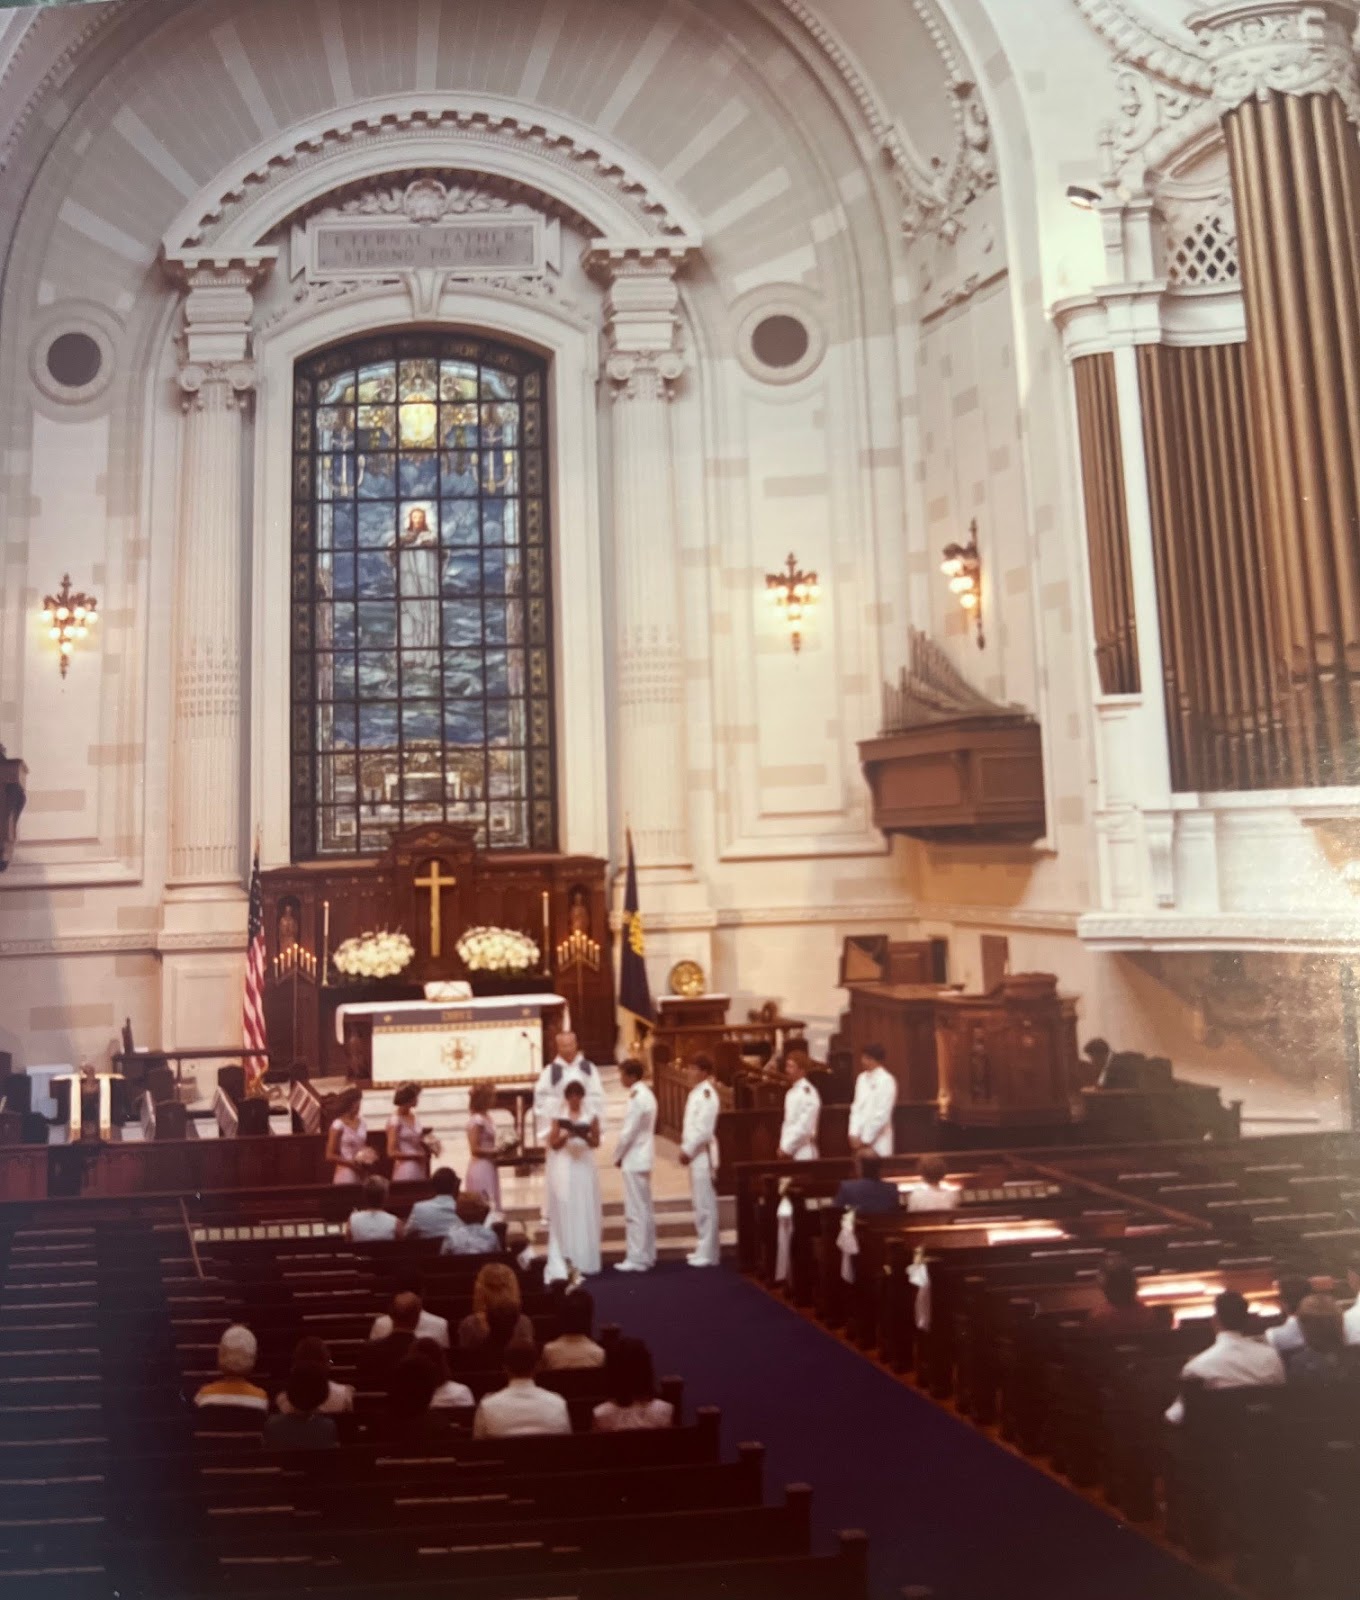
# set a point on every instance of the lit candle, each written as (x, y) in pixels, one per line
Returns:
(325, 937)
(547, 929)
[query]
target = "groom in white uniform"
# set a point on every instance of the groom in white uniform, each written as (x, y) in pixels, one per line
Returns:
(635, 1156)
(699, 1152)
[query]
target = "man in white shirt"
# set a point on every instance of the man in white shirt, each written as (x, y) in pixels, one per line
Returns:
(635, 1156)
(428, 1326)
(1235, 1360)
(567, 1066)
(521, 1407)
(802, 1110)
(1351, 1320)
(871, 1111)
(699, 1152)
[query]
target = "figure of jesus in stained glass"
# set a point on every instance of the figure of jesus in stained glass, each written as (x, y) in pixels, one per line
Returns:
(418, 580)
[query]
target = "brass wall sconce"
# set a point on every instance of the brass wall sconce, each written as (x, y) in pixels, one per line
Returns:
(962, 565)
(69, 615)
(794, 592)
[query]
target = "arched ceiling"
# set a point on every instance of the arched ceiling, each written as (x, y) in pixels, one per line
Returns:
(755, 118)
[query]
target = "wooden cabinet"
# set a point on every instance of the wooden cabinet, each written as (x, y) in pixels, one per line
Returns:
(1008, 1059)
(976, 778)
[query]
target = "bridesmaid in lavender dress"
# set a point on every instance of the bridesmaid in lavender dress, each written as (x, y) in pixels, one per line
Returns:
(347, 1144)
(407, 1148)
(482, 1175)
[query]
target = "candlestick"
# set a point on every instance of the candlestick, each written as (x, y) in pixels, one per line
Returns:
(325, 939)
(547, 930)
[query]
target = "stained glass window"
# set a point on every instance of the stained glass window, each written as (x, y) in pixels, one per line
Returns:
(422, 657)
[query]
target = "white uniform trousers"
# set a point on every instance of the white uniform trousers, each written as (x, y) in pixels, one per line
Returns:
(639, 1219)
(705, 1199)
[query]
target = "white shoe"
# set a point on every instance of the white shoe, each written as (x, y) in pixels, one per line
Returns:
(628, 1266)
(698, 1261)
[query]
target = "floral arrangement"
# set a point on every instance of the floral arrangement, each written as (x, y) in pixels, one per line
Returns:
(497, 950)
(374, 955)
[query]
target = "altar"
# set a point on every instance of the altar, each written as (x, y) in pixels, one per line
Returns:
(495, 1040)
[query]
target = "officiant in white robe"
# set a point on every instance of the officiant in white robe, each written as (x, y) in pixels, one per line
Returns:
(575, 1222)
(567, 1066)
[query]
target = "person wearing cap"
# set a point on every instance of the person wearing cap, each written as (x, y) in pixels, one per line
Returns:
(236, 1351)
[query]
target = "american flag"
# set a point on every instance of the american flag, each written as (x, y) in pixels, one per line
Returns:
(253, 1001)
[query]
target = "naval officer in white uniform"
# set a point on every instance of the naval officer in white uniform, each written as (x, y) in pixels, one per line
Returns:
(802, 1111)
(635, 1157)
(699, 1152)
(871, 1111)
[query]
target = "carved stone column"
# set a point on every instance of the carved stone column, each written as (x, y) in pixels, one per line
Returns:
(207, 771)
(1285, 75)
(642, 368)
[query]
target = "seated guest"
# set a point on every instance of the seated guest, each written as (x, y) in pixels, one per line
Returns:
(632, 1399)
(574, 1347)
(1351, 1320)
(1121, 1312)
(869, 1194)
(521, 1406)
(429, 1326)
(448, 1395)
(431, 1219)
(236, 1351)
(1287, 1338)
(468, 1234)
(932, 1193)
(1317, 1362)
(379, 1356)
(312, 1352)
(373, 1222)
(1235, 1360)
(408, 1419)
(497, 1316)
(303, 1426)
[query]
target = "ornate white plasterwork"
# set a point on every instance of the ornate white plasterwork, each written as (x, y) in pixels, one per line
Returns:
(934, 193)
(1135, 38)
(1269, 47)
(485, 134)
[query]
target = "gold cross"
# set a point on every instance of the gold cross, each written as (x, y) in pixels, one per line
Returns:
(435, 883)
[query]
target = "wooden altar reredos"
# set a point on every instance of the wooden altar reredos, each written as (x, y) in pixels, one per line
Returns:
(433, 883)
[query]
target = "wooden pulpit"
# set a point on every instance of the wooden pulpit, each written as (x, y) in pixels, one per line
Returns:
(1009, 1059)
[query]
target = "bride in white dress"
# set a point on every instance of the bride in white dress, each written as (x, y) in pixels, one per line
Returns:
(573, 1183)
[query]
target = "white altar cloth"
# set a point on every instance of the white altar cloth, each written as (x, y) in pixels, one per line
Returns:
(498, 1039)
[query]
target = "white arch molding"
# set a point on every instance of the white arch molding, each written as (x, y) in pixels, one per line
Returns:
(618, 196)
(578, 616)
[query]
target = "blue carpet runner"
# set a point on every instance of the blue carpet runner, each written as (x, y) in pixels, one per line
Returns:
(944, 1507)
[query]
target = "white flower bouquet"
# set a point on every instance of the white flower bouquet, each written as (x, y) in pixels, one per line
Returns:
(374, 955)
(497, 950)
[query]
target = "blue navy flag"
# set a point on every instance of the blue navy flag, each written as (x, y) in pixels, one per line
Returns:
(635, 993)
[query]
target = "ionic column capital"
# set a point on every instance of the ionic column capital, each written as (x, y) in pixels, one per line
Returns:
(644, 374)
(1297, 47)
(234, 380)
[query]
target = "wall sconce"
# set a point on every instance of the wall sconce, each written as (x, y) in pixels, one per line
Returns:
(69, 615)
(962, 565)
(794, 592)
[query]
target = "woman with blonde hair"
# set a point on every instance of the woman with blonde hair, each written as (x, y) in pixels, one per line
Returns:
(481, 1176)
(497, 1311)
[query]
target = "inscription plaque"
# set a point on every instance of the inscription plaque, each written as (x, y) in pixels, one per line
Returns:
(462, 244)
